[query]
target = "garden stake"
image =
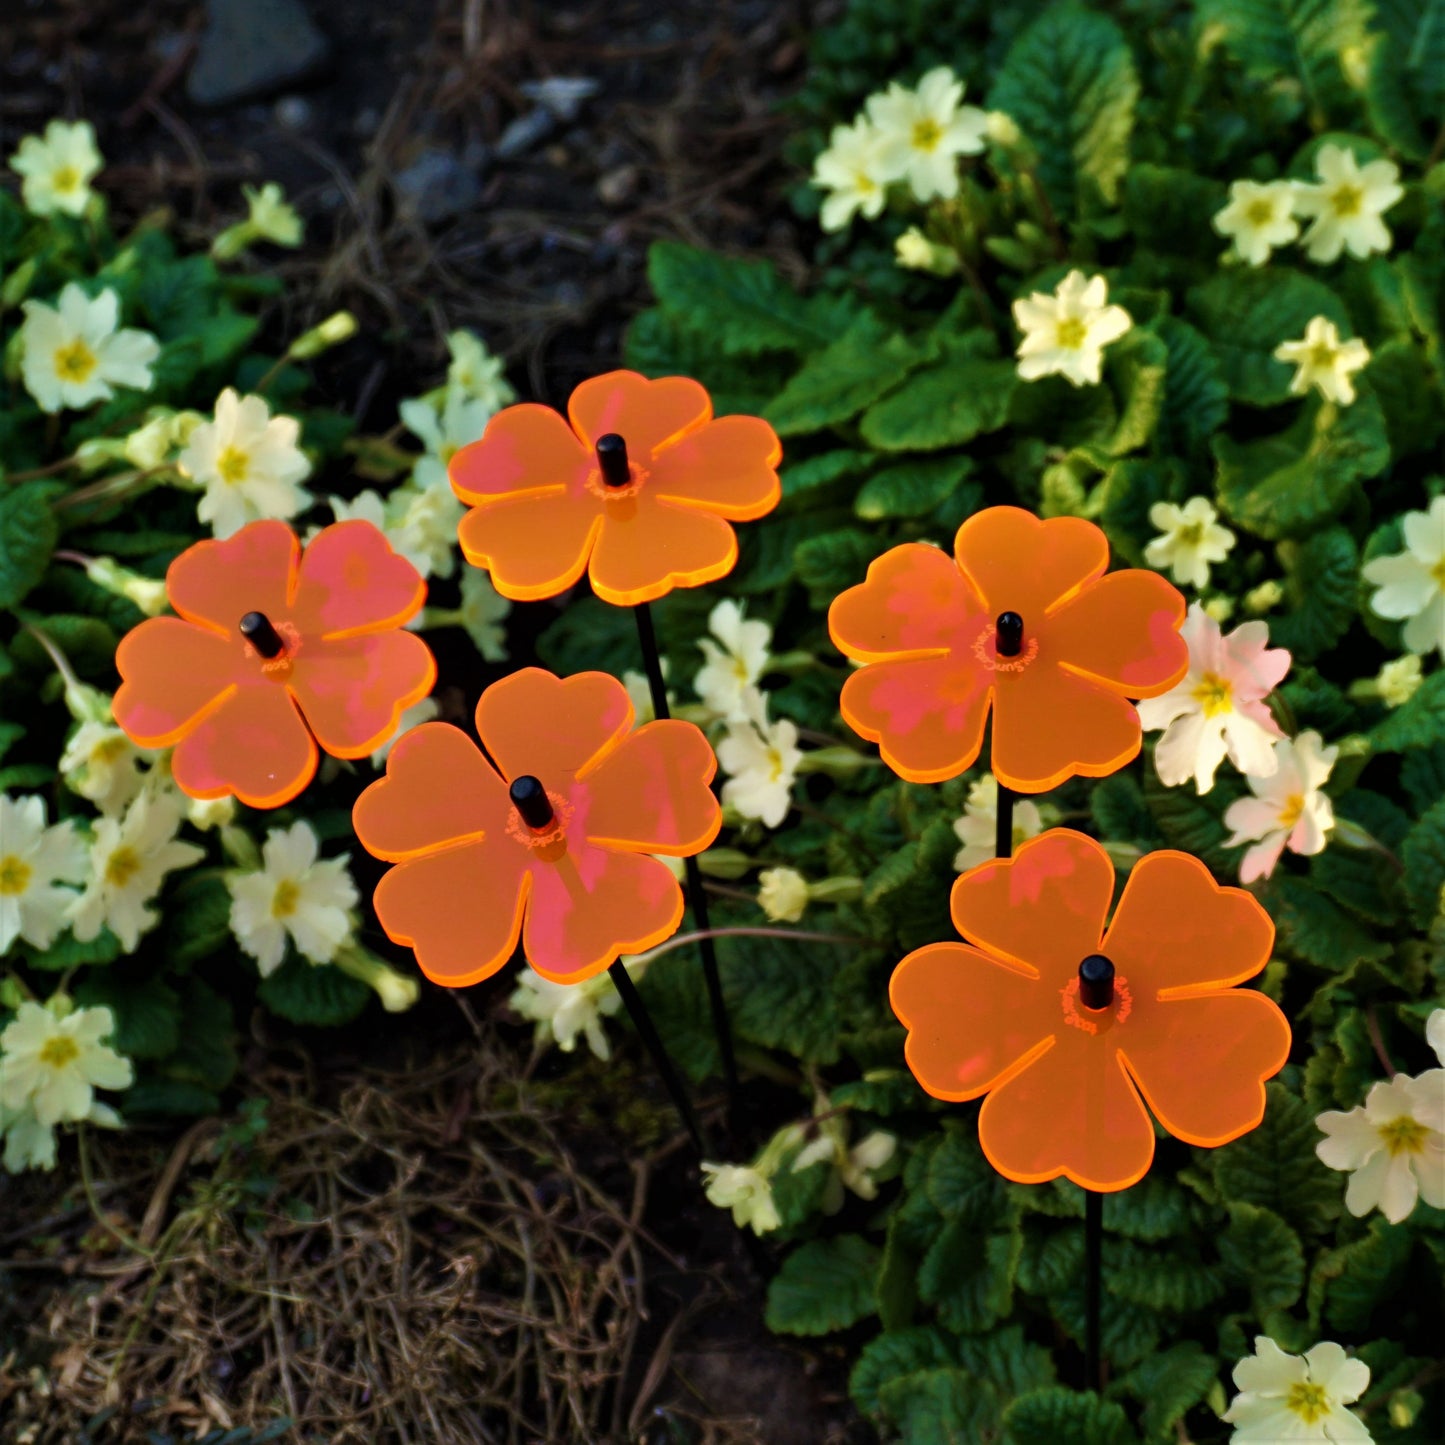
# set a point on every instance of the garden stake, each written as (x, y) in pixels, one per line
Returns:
(1093, 1278)
(695, 895)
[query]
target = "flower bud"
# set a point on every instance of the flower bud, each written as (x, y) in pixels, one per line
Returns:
(338, 327)
(146, 592)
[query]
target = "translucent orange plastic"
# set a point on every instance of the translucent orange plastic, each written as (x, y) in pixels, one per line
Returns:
(542, 515)
(925, 624)
(471, 877)
(1067, 1085)
(244, 724)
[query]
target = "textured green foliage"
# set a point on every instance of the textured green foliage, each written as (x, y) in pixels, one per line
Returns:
(27, 537)
(824, 1285)
(1061, 1417)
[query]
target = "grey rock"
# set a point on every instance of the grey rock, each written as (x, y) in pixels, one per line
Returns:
(436, 186)
(252, 47)
(563, 95)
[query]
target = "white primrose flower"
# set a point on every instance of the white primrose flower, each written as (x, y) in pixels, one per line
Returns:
(129, 860)
(34, 860)
(52, 1060)
(1218, 709)
(1066, 333)
(1191, 540)
(915, 252)
(1347, 203)
(271, 217)
(1435, 1033)
(852, 173)
(410, 533)
(565, 1012)
(73, 356)
(1399, 679)
(731, 671)
(101, 763)
(853, 1168)
(29, 1144)
(1393, 1145)
(746, 1191)
(249, 463)
(483, 612)
(475, 373)
(416, 714)
(782, 894)
(57, 168)
(1321, 360)
(461, 421)
(1288, 810)
(1296, 1399)
(761, 760)
(1411, 584)
(295, 892)
(1259, 600)
(977, 829)
(922, 132)
(1258, 218)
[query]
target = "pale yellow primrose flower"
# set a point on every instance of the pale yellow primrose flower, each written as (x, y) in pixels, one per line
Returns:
(1191, 540)
(565, 1012)
(782, 894)
(475, 374)
(1288, 809)
(1410, 585)
(731, 671)
(761, 760)
(1297, 1399)
(53, 1064)
(977, 829)
(73, 356)
(270, 216)
(923, 131)
(746, 1191)
(851, 170)
(1258, 218)
(249, 464)
(34, 859)
(1066, 333)
(915, 252)
(1398, 680)
(57, 168)
(1323, 361)
(1347, 204)
(101, 763)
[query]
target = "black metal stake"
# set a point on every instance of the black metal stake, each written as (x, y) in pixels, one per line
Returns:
(1003, 838)
(1093, 1287)
(696, 898)
(256, 628)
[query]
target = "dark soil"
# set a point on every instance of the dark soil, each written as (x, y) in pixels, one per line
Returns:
(547, 263)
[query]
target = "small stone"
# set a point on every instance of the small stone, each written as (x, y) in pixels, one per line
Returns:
(525, 132)
(563, 95)
(618, 186)
(252, 47)
(436, 186)
(293, 112)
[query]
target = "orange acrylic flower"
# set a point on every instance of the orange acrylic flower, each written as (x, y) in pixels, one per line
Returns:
(274, 651)
(639, 490)
(558, 832)
(1020, 618)
(1065, 1026)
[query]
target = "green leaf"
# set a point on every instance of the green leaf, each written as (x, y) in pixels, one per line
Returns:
(28, 533)
(940, 1407)
(915, 487)
(1362, 1278)
(69, 952)
(1163, 206)
(945, 404)
(318, 995)
(1189, 822)
(1119, 811)
(829, 564)
(207, 1052)
(197, 920)
(1303, 477)
(893, 1356)
(147, 1013)
(1409, 395)
(968, 1275)
(1260, 1251)
(823, 1285)
(1403, 82)
(1155, 1208)
(1248, 311)
(1423, 854)
(1275, 1165)
(1070, 84)
(1321, 576)
(1137, 366)
(1418, 723)
(897, 1287)
(1056, 1416)
(781, 995)
(961, 1183)
(1314, 927)
(1129, 490)
(1172, 1282)
(808, 475)
(163, 1097)
(1169, 1385)
(836, 383)
(1196, 394)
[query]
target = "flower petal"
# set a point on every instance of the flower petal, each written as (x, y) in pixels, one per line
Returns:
(172, 672)
(1033, 753)
(1019, 563)
(253, 570)
(353, 691)
(352, 582)
(438, 789)
(1176, 929)
(551, 727)
(913, 600)
(254, 745)
(1073, 1111)
(524, 449)
(646, 414)
(534, 546)
(592, 905)
(728, 466)
(1201, 1062)
(971, 1019)
(661, 545)
(925, 713)
(1043, 908)
(1122, 631)
(418, 905)
(651, 791)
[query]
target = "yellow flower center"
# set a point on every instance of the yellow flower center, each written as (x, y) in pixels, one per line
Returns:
(59, 1050)
(1294, 805)
(1214, 694)
(1438, 573)
(14, 875)
(232, 465)
(110, 750)
(1191, 534)
(926, 134)
(740, 669)
(775, 765)
(1260, 212)
(122, 866)
(1346, 200)
(1403, 1135)
(66, 178)
(1322, 356)
(863, 183)
(1071, 333)
(75, 361)
(1308, 1401)
(285, 898)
